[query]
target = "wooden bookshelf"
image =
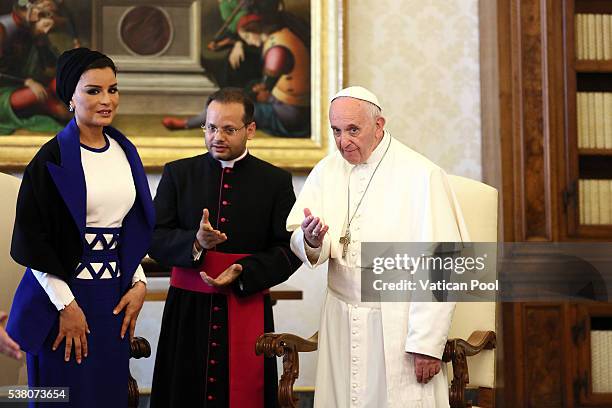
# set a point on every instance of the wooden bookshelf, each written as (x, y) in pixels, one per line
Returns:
(531, 82)
(586, 215)
(595, 152)
(594, 66)
(590, 318)
(593, 79)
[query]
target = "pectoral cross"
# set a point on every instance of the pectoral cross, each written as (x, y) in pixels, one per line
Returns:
(345, 241)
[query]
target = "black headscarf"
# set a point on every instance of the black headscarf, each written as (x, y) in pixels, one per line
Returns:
(70, 66)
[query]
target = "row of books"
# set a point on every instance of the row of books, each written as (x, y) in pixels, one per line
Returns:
(601, 361)
(594, 116)
(593, 36)
(595, 201)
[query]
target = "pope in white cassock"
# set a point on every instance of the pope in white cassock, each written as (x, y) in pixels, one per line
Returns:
(374, 189)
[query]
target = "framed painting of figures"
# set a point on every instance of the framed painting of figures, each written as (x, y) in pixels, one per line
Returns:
(170, 55)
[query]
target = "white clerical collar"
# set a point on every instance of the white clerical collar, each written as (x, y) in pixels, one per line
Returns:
(230, 163)
(380, 150)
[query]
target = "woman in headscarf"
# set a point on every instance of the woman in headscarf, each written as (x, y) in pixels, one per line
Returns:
(83, 223)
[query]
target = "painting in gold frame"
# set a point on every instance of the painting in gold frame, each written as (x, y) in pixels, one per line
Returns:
(158, 147)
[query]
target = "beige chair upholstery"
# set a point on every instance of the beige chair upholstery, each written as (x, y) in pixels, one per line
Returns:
(478, 203)
(11, 372)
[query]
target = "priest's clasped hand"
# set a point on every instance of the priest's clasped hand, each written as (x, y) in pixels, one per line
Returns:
(207, 237)
(425, 367)
(314, 229)
(225, 278)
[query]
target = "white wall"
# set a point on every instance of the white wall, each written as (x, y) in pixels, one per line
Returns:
(420, 57)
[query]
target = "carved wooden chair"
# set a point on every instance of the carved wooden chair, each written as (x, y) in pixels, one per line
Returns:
(478, 203)
(139, 348)
(14, 372)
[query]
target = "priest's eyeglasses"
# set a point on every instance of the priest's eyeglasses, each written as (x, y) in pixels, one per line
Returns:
(226, 130)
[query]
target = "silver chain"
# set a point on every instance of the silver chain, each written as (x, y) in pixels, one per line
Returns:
(348, 200)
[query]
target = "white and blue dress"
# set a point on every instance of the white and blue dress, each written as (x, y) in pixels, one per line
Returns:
(113, 192)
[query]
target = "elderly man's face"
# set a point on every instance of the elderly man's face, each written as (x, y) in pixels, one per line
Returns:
(355, 131)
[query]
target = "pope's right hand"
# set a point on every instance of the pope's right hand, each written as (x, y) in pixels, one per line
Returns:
(314, 229)
(207, 237)
(73, 326)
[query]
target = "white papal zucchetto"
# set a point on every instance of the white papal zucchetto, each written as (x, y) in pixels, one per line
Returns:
(358, 92)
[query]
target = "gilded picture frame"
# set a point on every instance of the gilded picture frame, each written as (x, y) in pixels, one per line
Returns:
(293, 154)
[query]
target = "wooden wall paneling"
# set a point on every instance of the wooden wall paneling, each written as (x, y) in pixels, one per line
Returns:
(555, 117)
(525, 116)
(568, 179)
(513, 391)
(509, 120)
(532, 23)
(544, 357)
(490, 22)
(513, 148)
(489, 102)
(582, 338)
(538, 356)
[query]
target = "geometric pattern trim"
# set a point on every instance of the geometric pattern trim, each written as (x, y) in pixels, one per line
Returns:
(97, 270)
(100, 254)
(102, 242)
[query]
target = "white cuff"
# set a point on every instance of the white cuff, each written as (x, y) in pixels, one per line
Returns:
(302, 250)
(428, 329)
(312, 253)
(196, 253)
(58, 291)
(139, 276)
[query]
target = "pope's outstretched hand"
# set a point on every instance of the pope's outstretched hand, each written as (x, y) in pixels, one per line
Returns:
(314, 229)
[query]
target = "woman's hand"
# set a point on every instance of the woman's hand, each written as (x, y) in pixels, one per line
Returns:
(73, 326)
(132, 302)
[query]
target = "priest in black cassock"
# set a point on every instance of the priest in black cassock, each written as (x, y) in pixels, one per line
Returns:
(221, 226)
